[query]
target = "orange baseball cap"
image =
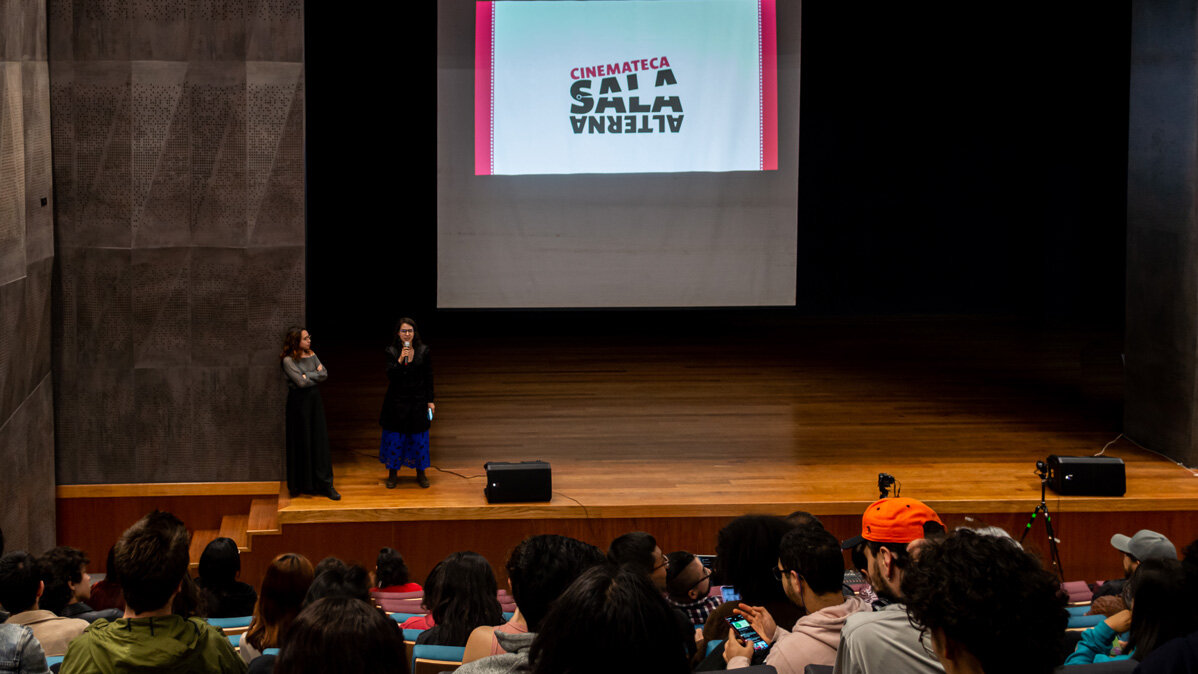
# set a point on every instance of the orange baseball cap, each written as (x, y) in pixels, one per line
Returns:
(894, 520)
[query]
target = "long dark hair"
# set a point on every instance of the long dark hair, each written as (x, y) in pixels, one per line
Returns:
(1156, 614)
(604, 616)
(746, 552)
(397, 343)
(219, 564)
(390, 569)
(291, 343)
(284, 586)
(342, 634)
(466, 598)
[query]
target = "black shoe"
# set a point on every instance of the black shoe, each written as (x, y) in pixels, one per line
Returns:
(332, 494)
(422, 480)
(392, 482)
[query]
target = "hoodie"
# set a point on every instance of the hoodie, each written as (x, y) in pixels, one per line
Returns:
(169, 644)
(812, 641)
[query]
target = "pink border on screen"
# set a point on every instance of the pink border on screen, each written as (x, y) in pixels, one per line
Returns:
(484, 88)
(768, 45)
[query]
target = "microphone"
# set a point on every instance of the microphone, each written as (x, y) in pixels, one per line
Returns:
(405, 359)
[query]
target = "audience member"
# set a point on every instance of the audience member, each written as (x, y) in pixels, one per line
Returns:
(432, 585)
(811, 566)
(391, 573)
(350, 580)
(640, 550)
(284, 586)
(327, 563)
(152, 558)
(106, 594)
(342, 634)
(611, 619)
(64, 571)
(987, 605)
(539, 571)
(746, 555)
(885, 640)
(466, 598)
(802, 518)
(20, 588)
(1141, 546)
(1179, 656)
(1155, 616)
(221, 594)
(186, 603)
(688, 587)
(20, 652)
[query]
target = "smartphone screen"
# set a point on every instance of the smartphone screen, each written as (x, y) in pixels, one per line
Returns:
(746, 632)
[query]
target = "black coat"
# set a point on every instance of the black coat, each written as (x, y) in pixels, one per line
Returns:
(409, 391)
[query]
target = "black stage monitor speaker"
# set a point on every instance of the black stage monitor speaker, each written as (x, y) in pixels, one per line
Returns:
(1087, 475)
(518, 482)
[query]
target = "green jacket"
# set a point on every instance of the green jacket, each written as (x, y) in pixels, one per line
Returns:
(170, 644)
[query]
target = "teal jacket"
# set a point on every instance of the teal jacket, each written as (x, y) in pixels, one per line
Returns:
(1096, 645)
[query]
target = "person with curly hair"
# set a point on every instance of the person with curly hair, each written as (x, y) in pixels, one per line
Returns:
(408, 405)
(309, 463)
(986, 605)
(391, 573)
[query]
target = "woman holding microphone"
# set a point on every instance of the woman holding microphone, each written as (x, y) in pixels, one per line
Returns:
(408, 406)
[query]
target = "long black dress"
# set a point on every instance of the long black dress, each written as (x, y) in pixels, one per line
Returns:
(309, 464)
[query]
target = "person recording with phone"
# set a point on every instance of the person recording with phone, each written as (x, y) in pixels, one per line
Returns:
(408, 405)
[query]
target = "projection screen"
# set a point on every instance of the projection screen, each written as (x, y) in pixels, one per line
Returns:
(617, 153)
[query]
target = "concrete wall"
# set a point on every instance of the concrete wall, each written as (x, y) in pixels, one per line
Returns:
(26, 265)
(178, 160)
(1161, 400)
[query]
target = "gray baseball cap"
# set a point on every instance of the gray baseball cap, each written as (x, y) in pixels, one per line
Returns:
(1145, 545)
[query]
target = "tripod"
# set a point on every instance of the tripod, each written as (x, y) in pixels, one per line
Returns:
(1053, 553)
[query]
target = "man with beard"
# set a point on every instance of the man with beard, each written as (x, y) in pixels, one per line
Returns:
(885, 640)
(811, 567)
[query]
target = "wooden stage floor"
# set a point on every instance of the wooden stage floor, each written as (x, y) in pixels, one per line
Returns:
(797, 414)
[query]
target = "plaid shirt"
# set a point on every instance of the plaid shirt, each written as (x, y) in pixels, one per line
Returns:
(697, 611)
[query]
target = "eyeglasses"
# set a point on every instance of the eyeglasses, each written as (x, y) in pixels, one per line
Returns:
(706, 575)
(780, 573)
(406, 331)
(665, 562)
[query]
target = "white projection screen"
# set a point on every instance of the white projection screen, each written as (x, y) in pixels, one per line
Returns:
(617, 153)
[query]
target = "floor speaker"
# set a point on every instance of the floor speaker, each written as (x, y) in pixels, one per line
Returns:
(518, 482)
(1087, 475)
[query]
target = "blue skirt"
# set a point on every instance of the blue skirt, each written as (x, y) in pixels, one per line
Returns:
(398, 450)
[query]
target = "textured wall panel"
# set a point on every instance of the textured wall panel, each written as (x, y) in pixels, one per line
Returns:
(217, 29)
(95, 421)
(164, 446)
(158, 30)
(275, 300)
(275, 30)
(161, 156)
(179, 216)
(216, 99)
(102, 157)
(12, 173)
(39, 186)
(26, 265)
(99, 29)
(218, 307)
(96, 308)
(162, 334)
(13, 384)
(275, 153)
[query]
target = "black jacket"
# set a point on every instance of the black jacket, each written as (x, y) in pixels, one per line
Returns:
(409, 391)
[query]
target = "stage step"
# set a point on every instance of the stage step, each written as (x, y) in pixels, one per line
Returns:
(264, 516)
(262, 520)
(200, 538)
(235, 527)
